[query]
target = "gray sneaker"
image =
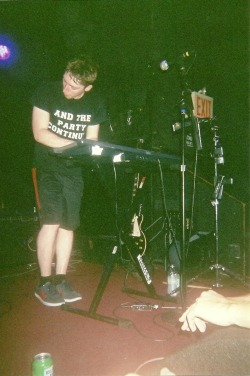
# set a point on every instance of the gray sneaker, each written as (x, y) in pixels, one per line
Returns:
(48, 295)
(65, 290)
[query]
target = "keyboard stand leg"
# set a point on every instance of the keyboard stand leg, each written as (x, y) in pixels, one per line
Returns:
(92, 312)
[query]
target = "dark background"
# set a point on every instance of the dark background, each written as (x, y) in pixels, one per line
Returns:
(129, 39)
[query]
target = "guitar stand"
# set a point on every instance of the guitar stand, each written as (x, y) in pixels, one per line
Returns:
(143, 272)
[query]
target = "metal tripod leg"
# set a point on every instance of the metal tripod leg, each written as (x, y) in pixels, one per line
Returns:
(218, 268)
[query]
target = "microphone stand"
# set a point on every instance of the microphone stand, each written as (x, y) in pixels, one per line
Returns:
(217, 195)
(186, 113)
(184, 107)
(219, 182)
(183, 217)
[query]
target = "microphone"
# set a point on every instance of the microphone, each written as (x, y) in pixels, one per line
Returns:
(165, 65)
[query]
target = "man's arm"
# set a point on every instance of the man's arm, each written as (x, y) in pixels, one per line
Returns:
(239, 312)
(92, 132)
(216, 309)
(40, 122)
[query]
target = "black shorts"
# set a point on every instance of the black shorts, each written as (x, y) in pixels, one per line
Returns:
(60, 198)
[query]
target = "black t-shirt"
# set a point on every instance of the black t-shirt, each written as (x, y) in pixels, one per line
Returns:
(69, 118)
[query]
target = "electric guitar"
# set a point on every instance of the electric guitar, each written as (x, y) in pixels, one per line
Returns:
(133, 235)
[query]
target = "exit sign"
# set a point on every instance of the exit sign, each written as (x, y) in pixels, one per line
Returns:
(203, 105)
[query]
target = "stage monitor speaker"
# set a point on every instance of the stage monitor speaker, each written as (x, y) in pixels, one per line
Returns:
(18, 239)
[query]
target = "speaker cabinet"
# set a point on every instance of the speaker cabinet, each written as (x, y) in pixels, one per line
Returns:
(18, 239)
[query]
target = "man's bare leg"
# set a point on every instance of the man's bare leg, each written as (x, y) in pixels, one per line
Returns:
(63, 247)
(46, 291)
(46, 241)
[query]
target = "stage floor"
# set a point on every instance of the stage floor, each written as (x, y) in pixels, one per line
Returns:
(83, 346)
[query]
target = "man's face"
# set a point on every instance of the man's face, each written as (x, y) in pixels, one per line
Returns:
(72, 88)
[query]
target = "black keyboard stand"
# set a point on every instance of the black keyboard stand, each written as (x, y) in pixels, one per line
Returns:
(77, 150)
(108, 268)
(92, 311)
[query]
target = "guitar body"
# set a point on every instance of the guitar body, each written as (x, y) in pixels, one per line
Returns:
(132, 233)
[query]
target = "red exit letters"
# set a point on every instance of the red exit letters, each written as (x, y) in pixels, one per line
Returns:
(203, 105)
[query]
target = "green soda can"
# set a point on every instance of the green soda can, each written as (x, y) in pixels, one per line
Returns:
(42, 365)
